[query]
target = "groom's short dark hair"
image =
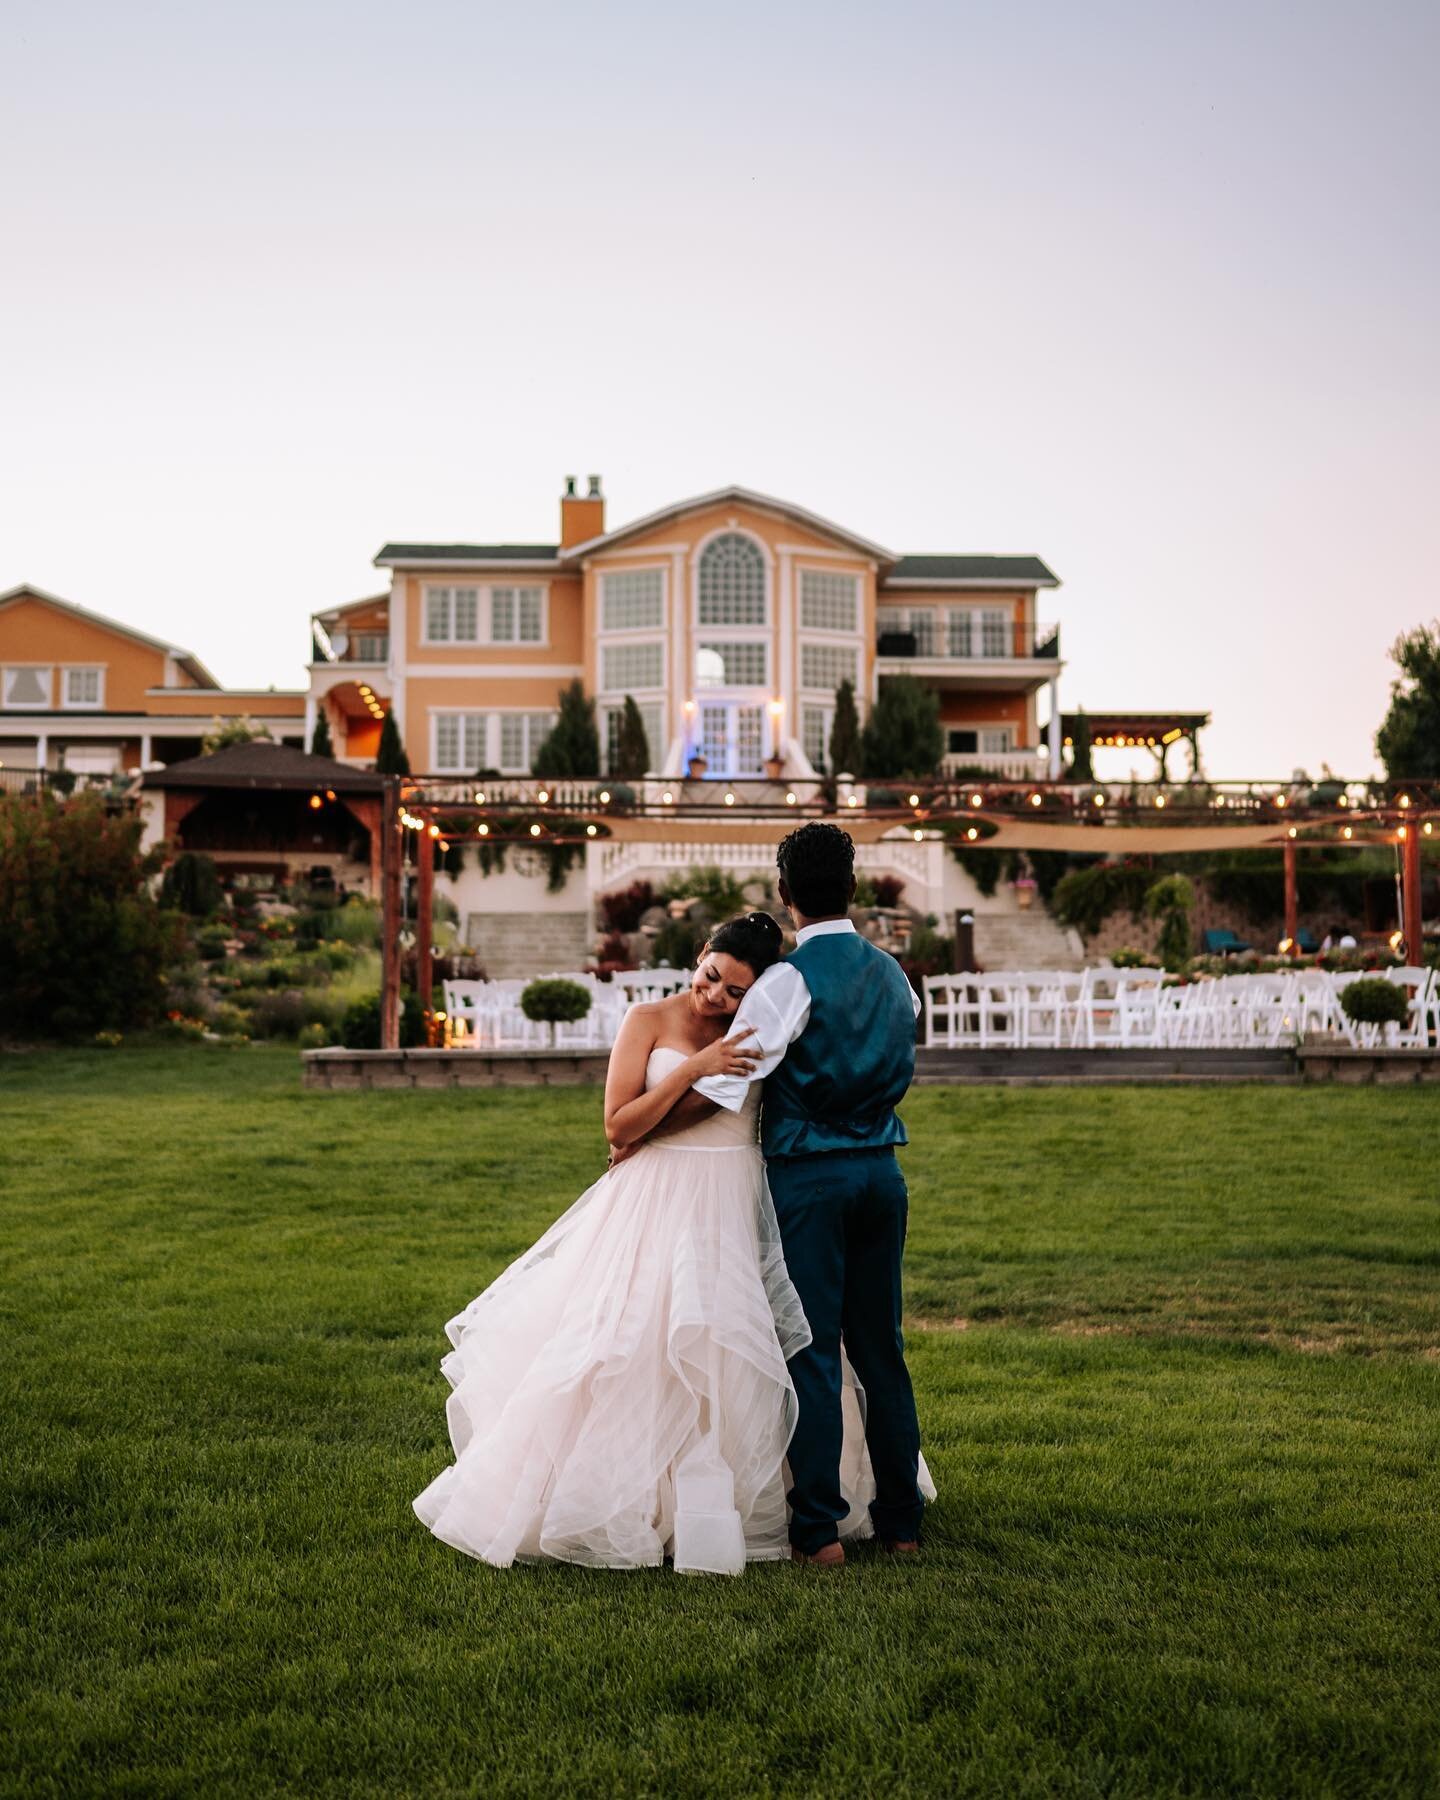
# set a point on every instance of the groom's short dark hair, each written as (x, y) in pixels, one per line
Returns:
(817, 865)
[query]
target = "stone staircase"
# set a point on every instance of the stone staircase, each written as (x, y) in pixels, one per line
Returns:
(513, 945)
(1025, 940)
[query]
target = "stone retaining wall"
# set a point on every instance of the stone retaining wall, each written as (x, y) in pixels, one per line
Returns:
(349, 1069)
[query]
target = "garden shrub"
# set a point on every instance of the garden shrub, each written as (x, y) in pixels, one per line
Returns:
(888, 889)
(314, 1037)
(1376, 1002)
(360, 1025)
(192, 885)
(623, 911)
(555, 1001)
(210, 944)
(676, 943)
(721, 895)
(83, 945)
(1171, 900)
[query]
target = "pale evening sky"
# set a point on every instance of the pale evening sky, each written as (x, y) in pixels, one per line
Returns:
(1147, 289)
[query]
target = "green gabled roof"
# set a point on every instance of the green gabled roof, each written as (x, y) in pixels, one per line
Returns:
(451, 553)
(973, 568)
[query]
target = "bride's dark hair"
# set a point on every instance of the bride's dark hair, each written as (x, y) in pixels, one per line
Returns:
(754, 938)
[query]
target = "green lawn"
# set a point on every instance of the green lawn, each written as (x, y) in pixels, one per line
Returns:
(1176, 1353)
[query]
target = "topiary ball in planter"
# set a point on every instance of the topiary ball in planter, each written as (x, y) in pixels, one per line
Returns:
(1375, 1003)
(556, 1002)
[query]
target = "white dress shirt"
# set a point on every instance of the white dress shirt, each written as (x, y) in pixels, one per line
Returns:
(776, 1008)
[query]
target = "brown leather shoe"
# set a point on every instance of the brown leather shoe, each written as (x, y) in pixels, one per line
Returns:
(828, 1556)
(900, 1546)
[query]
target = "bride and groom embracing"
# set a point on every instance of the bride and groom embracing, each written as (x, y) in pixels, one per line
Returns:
(702, 1358)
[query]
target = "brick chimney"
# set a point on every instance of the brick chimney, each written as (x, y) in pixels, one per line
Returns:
(581, 517)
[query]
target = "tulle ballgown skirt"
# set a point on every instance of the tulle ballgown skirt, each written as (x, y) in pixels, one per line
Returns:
(619, 1394)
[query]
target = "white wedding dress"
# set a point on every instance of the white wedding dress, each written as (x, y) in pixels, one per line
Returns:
(620, 1392)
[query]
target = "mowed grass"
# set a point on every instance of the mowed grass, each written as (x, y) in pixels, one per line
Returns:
(1176, 1355)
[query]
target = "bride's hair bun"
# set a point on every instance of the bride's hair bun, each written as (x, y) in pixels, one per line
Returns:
(754, 938)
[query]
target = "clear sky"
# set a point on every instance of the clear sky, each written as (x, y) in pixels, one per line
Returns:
(1147, 289)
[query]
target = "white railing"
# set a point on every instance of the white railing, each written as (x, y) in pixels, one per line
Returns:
(616, 862)
(1134, 1009)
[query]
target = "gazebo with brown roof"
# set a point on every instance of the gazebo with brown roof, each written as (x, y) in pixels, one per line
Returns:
(263, 806)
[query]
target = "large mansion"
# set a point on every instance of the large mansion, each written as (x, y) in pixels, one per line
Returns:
(731, 619)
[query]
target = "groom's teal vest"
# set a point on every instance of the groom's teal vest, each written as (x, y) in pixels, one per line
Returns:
(843, 1077)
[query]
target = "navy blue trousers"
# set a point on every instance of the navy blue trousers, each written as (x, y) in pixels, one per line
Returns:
(842, 1223)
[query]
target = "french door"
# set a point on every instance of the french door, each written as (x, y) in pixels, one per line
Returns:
(732, 736)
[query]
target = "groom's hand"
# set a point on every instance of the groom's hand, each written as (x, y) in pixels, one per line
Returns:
(620, 1153)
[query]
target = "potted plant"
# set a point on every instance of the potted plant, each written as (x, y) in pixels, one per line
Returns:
(775, 766)
(1025, 886)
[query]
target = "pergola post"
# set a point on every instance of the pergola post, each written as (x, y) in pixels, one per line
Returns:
(392, 860)
(1292, 900)
(424, 903)
(1410, 890)
(1052, 733)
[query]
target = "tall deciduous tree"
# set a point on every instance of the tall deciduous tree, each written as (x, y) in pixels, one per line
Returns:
(390, 757)
(845, 732)
(1408, 741)
(902, 736)
(572, 746)
(320, 744)
(632, 748)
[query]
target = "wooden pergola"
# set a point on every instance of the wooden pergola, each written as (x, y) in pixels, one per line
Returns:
(1156, 732)
(428, 813)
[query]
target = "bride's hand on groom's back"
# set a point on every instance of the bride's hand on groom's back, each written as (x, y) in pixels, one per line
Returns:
(728, 1055)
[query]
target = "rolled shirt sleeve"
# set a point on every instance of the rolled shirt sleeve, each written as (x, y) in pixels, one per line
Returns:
(777, 1009)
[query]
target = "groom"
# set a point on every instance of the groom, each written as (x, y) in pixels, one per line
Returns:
(834, 1033)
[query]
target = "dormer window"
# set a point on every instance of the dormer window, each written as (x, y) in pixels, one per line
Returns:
(732, 581)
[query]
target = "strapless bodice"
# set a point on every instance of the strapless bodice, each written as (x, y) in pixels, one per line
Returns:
(722, 1130)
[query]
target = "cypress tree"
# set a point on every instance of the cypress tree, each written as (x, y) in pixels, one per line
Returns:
(845, 732)
(320, 744)
(573, 745)
(632, 750)
(390, 757)
(902, 736)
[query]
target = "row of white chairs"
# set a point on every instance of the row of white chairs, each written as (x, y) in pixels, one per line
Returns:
(486, 1015)
(1133, 1009)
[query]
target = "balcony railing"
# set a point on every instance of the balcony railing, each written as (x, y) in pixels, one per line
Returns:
(974, 641)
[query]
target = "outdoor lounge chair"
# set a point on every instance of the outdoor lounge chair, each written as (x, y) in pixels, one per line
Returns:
(1223, 943)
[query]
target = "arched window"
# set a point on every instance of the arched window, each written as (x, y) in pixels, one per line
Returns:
(732, 581)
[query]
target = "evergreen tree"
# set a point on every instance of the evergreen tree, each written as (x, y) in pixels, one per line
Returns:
(632, 748)
(573, 744)
(390, 757)
(320, 744)
(902, 736)
(845, 732)
(1080, 765)
(1408, 741)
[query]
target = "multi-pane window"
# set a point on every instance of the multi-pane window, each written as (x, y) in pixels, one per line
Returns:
(625, 667)
(960, 634)
(632, 600)
(26, 687)
(732, 581)
(829, 601)
(516, 616)
(921, 623)
(452, 615)
(370, 646)
(650, 718)
(815, 724)
(742, 664)
(995, 633)
(827, 665)
(460, 742)
(521, 735)
(732, 738)
(995, 741)
(83, 687)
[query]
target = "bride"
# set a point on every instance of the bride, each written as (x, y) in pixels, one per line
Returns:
(620, 1393)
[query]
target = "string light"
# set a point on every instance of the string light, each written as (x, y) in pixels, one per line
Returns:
(853, 800)
(972, 832)
(975, 800)
(1401, 833)
(315, 801)
(667, 798)
(590, 831)
(1279, 799)
(1292, 832)
(1160, 801)
(919, 837)
(434, 831)
(1404, 799)
(729, 799)
(483, 829)
(544, 796)
(1428, 828)
(1344, 800)
(604, 796)
(1346, 832)
(914, 800)
(1035, 800)
(791, 800)
(1099, 799)
(534, 831)
(479, 799)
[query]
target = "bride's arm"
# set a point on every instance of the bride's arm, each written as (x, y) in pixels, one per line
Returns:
(631, 1112)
